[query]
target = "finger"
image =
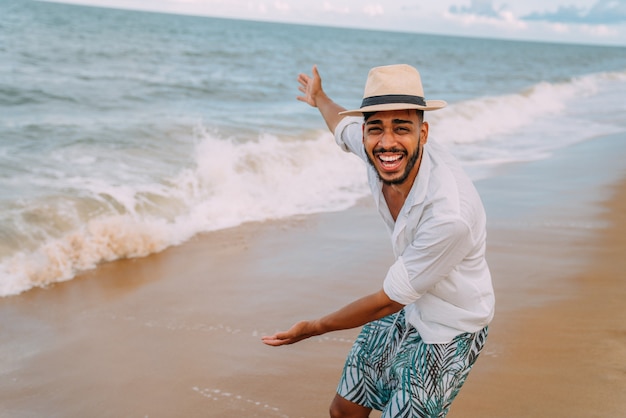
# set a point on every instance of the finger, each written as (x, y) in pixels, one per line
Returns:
(274, 340)
(274, 343)
(278, 336)
(316, 73)
(303, 78)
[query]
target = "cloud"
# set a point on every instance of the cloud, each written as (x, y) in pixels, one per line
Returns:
(282, 6)
(483, 12)
(373, 10)
(476, 7)
(603, 12)
(329, 7)
(600, 30)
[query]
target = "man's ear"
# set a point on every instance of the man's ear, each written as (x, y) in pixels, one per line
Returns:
(424, 133)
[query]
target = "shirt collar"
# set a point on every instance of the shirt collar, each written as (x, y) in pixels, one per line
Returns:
(420, 185)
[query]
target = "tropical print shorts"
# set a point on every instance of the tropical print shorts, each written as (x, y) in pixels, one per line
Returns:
(391, 369)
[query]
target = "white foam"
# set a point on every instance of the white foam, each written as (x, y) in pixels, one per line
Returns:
(485, 118)
(269, 178)
(60, 259)
(230, 183)
(239, 399)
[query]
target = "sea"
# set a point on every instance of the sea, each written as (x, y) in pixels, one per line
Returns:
(123, 133)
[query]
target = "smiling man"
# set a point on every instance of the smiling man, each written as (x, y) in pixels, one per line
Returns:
(423, 330)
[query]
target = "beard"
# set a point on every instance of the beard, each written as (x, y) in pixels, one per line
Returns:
(412, 160)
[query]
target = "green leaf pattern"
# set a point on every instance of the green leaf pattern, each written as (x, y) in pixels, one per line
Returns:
(392, 370)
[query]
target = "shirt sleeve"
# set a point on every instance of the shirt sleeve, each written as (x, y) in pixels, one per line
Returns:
(431, 257)
(349, 135)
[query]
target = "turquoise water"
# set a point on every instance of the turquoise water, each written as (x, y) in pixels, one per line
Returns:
(123, 133)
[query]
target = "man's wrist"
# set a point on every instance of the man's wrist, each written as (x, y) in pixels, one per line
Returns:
(317, 327)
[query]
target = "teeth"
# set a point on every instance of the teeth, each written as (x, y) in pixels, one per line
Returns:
(389, 158)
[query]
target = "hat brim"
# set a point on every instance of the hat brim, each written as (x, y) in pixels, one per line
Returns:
(430, 105)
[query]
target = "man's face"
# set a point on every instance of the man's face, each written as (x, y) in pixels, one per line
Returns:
(393, 141)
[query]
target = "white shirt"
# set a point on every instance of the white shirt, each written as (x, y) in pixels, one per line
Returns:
(440, 272)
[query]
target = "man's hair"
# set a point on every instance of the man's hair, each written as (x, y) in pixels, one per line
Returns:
(420, 115)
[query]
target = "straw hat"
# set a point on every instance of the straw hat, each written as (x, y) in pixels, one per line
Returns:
(394, 87)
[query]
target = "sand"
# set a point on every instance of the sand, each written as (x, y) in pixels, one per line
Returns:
(177, 334)
(566, 357)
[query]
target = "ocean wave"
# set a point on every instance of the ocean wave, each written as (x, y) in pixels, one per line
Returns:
(486, 118)
(20, 96)
(91, 221)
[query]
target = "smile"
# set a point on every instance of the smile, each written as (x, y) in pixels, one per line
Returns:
(390, 162)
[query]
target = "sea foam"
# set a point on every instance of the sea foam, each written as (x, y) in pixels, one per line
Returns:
(230, 183)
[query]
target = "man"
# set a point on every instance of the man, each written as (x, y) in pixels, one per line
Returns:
(425, 328)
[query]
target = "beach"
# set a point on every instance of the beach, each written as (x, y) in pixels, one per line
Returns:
(178, 333)
(165, 202)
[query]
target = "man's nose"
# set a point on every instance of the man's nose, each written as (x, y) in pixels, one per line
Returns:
(387, 138)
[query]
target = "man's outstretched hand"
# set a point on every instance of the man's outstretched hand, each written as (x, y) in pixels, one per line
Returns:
(298, 332)
(366, 309)
(311, 87)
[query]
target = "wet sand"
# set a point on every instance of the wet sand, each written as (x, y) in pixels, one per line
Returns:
(178, 333)
(567, 356)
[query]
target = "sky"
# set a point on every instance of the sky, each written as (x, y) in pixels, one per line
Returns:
(600, 22)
